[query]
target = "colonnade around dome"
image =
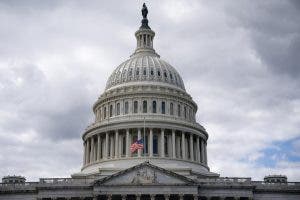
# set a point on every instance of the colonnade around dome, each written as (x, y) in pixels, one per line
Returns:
(158, 143)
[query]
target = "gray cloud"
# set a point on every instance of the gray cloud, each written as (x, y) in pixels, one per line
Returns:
(238, 61)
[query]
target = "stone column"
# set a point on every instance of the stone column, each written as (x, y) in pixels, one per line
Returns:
(152, 197)
(109, 197)
(111, 150)
(198, 149)
(181, 197)
(205, 153)
(183, 145)
(202, 151)
(162, 139)
(127, 142)
(195, 197)
(138, 197)
(139, 137)
(123, 197)
(88, 151)
(167, 196)
(106, 145)
(92, 150)
(84, 152)
(99, 147)
(151, 143)
(116, 143)
(191, 147)
(173, 144)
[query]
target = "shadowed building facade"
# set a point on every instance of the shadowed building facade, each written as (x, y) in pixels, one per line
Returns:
(145, 98)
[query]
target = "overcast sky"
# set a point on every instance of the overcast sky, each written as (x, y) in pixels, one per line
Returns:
(239, 61)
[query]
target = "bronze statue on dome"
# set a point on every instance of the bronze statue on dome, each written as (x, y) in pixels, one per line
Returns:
(144, 11)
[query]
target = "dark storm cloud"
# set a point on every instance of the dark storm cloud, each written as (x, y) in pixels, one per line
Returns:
(275, 31)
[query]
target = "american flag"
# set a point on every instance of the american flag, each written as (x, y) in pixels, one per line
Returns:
(136, 145)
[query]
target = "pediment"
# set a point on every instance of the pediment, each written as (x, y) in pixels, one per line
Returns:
(145, 174)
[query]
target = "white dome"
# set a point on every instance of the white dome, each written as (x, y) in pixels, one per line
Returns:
(146, 67)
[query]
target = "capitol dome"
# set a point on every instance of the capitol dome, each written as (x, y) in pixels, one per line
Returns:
(145, 100)
(146, 68)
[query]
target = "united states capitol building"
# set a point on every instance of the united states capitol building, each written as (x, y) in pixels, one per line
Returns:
(145, 98)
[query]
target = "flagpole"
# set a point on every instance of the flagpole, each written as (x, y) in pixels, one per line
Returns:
(144, 139)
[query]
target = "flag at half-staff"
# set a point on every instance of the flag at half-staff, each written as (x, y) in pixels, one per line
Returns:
(138, 144)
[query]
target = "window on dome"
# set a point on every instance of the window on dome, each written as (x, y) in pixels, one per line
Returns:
(145, 72)
(130, 72)
(166, 146)
(104, 113)
(165, 74)
(171, 109)
(145, 149)
(110, 110)
(187, 144)
(171, 76)
(185, 114)
(118, 108)
(163, 107)
(155, 145)
(179, 110)
(144, 106)
(137, 71)
(158, 72)
(152, 72)
(126, 107)
(154, 107)
(135, 106)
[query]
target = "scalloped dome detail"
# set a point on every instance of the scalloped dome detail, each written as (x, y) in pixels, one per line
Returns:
(145, 68)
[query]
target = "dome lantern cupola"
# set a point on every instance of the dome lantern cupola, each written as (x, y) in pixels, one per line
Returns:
(144, 36)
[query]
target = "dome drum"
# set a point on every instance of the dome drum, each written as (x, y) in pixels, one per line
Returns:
(160, 143)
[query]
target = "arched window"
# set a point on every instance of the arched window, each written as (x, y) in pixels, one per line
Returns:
(158, 72)
(104, 112)
(135, 106)
(126, 107)
(185, 114)
(171, 109)
(163, 107)
(145, 72)
(166, 146)
(154, 107)
(137, 71)
(179, 110)
(144, 106)
(152, 72)
(118, 108)
(110, 110)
